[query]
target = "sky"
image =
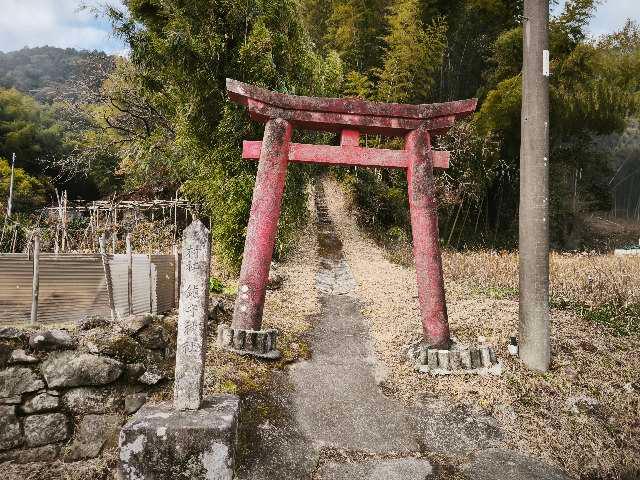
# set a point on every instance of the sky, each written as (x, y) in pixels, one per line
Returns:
(58, 23)
(610, 15)
(61, 23)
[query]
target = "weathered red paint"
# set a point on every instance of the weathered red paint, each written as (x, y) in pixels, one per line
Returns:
(240, 93)
(336, 122)
(350, 117)
(349, 138)
(263, 224)
(426, 247)
(345, 155)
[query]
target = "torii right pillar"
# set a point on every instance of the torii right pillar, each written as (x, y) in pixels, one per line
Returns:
(426, 246)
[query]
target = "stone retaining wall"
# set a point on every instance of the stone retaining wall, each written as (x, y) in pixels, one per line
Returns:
(66, 394)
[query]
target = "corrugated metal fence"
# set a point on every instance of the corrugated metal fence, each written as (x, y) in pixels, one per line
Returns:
(74, 285)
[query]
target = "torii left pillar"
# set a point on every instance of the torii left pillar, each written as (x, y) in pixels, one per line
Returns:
(245, 333)
(263, 225)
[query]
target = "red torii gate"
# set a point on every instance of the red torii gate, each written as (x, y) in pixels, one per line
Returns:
(350, 117)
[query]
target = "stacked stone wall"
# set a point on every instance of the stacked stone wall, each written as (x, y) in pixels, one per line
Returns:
(64, 394)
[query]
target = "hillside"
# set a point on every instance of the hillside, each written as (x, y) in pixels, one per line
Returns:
(50, 73)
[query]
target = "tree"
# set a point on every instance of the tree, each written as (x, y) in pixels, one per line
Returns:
(593, 92)
(413, 53)
(27, 130)
(29, 192)
(188, 135)
(354, 28)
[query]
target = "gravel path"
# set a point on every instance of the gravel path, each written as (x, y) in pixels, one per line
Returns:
(336, 399)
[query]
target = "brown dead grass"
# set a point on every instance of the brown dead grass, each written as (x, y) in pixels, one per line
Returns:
(590, 278)
(534, 409)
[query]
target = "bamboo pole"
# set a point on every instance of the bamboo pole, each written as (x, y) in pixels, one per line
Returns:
(464, 223)
(107, 274)
(9, 199)
(475, 229)
(175, 219)
(56, 238)
(15, 237)
(455, 221)
(35, 290)
(129, 274)
(64, 220)
(150, 282)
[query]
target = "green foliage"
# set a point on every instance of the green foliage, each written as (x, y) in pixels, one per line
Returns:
(329, 76)
(381, 195)
(358, 85)
(445, 50)
(183, 132)
(28, 192)
(413, 54)
(215, 285)
(46, 139)
(593, 92)
(28, 130)
(354, 28)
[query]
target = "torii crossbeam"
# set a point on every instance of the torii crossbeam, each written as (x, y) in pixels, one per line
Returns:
(351, 118)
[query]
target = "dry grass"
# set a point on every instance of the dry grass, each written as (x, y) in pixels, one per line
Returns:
(601, 288)
(590, 278)
(599, 441)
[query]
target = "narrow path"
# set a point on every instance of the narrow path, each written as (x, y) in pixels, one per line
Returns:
(336, 399)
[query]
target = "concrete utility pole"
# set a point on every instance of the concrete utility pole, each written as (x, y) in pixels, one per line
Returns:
(534, 189)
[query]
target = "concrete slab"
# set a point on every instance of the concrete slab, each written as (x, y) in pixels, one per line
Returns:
(271, 444)
(337, 402)
(160, 442)
(453, 430)
(503, 464)
(378, 469)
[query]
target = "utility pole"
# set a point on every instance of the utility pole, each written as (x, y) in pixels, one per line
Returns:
(9, 200)
(534, 346)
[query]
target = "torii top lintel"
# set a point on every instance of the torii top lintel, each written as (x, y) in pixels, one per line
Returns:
(337, 114)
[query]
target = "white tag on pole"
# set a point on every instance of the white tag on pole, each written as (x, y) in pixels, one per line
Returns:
(545, 63)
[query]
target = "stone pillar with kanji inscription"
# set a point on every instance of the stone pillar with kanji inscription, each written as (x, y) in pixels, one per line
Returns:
(200, 433)
(192, 317)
